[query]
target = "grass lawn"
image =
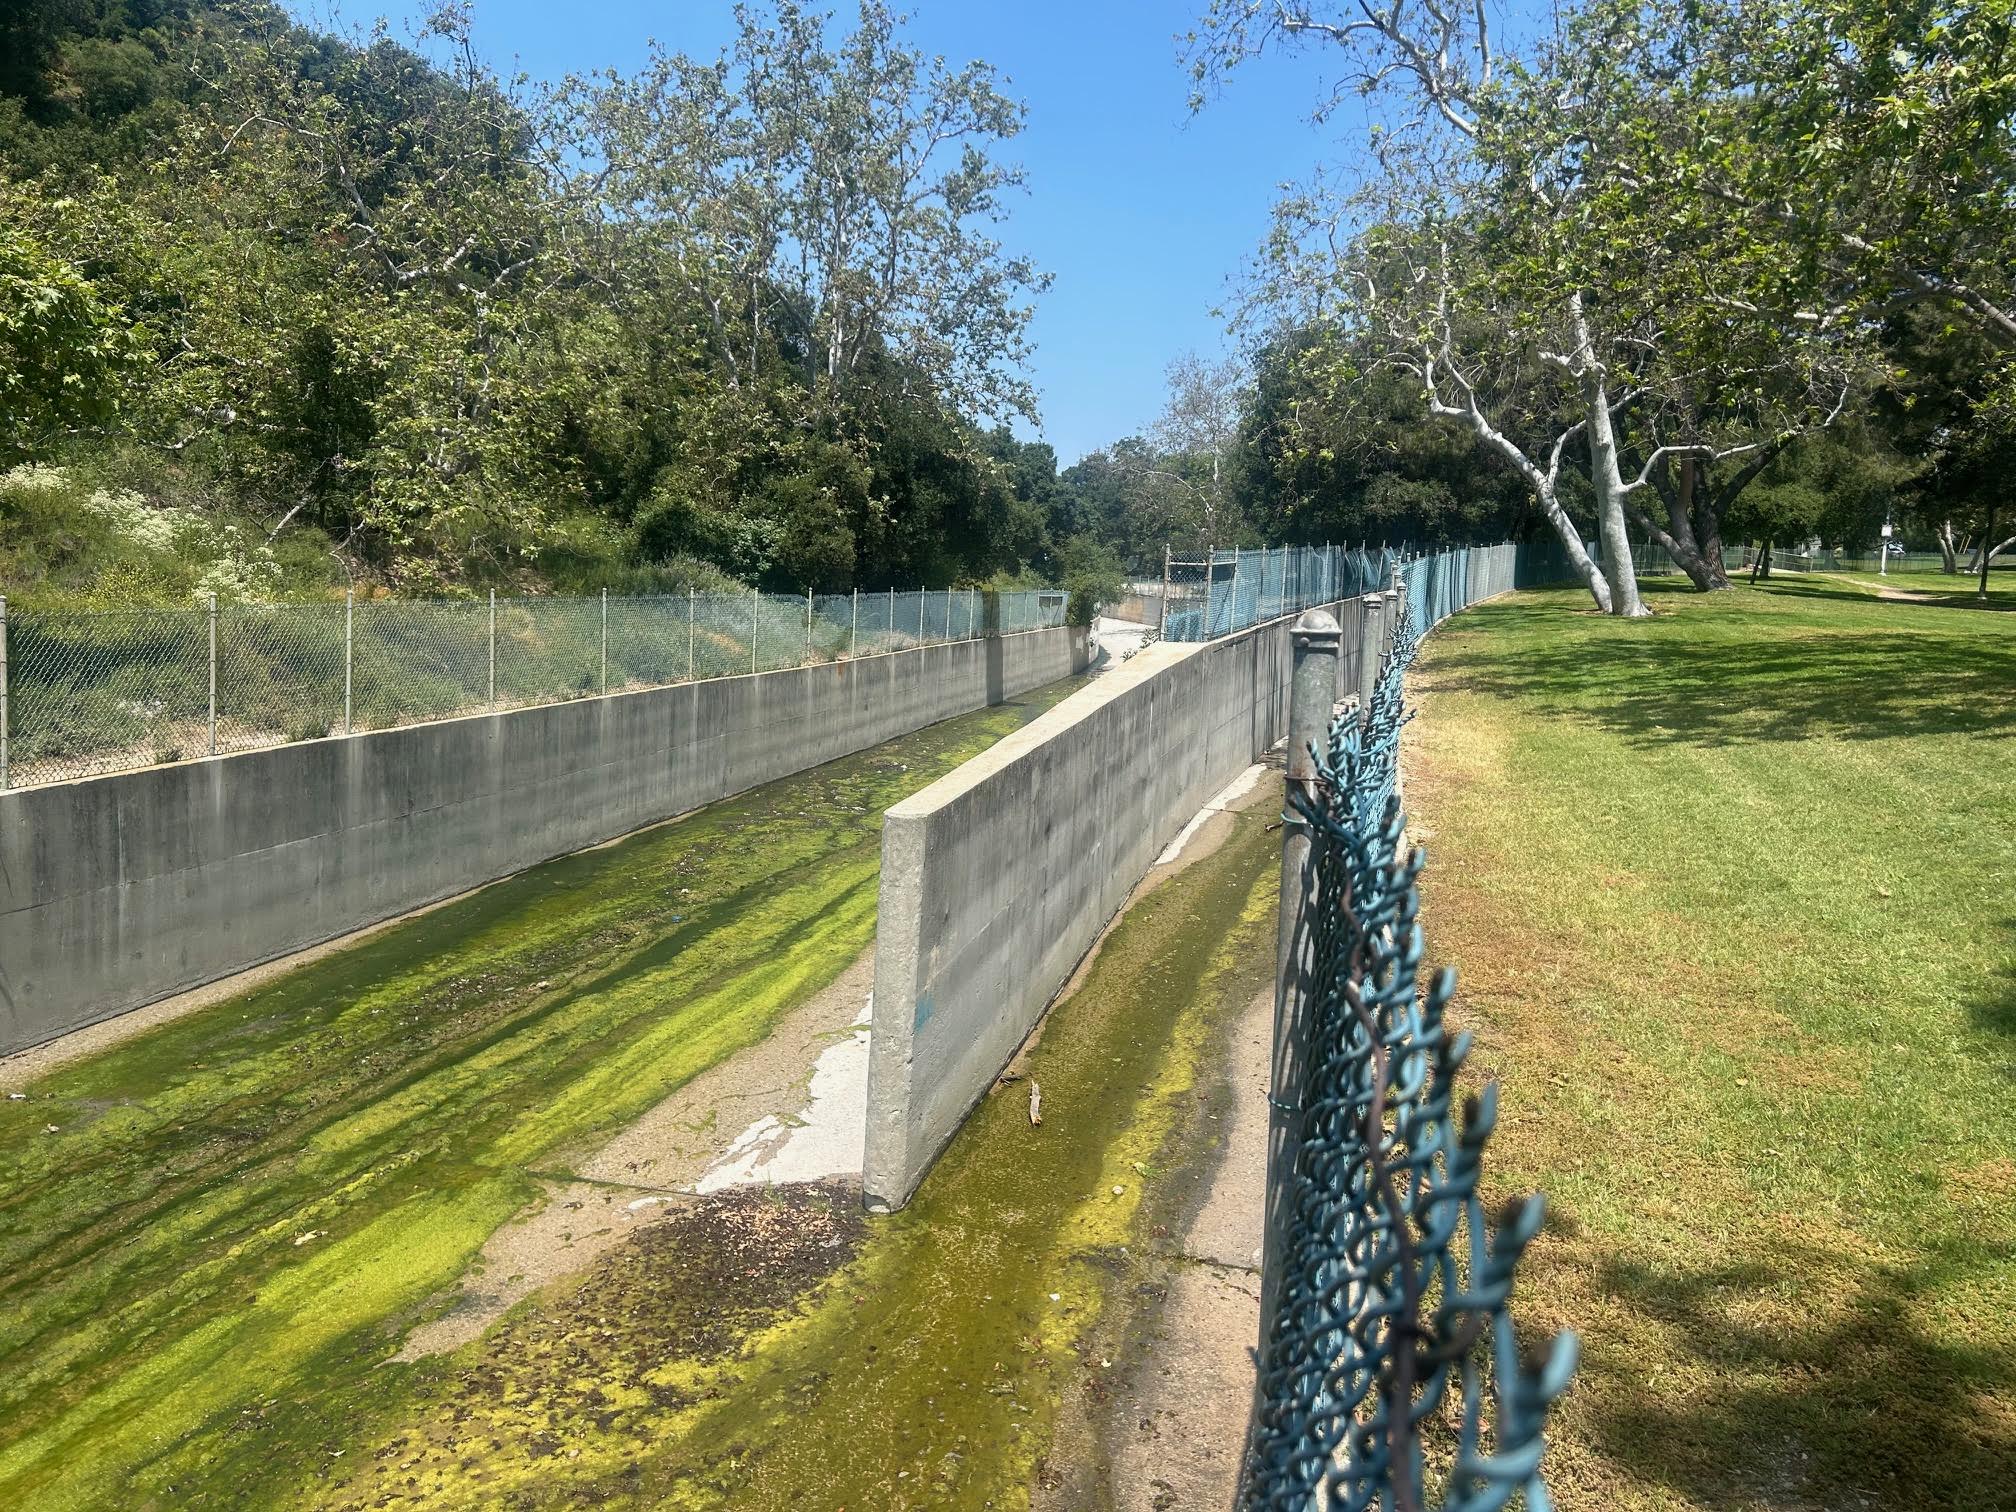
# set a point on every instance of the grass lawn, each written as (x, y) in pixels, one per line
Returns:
(1960, 589)
(1733, 896)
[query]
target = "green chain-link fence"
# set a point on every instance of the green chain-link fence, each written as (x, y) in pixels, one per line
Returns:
(1390, 1372)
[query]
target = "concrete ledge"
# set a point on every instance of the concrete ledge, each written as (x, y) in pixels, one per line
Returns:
(997, 878)
(120, 890)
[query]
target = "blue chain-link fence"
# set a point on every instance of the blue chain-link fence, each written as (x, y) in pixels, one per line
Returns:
(1390, 1372)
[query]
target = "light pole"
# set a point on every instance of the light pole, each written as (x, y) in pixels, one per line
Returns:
(1883, 546)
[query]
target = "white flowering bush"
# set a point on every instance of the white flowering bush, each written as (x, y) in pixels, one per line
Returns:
(136, 550)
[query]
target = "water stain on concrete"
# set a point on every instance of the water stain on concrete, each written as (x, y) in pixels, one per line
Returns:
(653, 1169)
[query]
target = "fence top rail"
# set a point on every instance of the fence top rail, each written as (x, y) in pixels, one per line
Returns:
(17, 607)
(92, 691)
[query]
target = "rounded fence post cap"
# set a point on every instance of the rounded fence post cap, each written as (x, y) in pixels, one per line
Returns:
(1316, 625)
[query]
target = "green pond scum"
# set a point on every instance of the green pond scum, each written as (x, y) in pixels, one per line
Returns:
(774, 1349)
(214, 1236)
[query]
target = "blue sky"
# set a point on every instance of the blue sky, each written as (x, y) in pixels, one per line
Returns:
(1140, 211)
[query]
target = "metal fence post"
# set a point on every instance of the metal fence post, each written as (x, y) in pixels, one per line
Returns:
(689, 634)
(493, 648)
(349, 653)
(755, 626)
(808, 624)
(605, 641)
(5, 775)
(1315, 638)
(923, 597)
(854, 629)
(889, 628)
(1162, 619)
(213, 674)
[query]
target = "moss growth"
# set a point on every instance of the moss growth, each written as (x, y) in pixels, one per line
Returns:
(238, 1214)
(932, 1369)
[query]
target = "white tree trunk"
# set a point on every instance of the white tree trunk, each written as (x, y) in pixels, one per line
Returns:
(1571, 542)
(1609, 484)
(1541, 481)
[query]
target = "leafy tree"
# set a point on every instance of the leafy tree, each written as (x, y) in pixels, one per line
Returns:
(1497, 236)
(1199, 433)
(1868, 142)
(836, 192)
(1122, 496)
(1093, 576)
(1331, 457)
(64, 355)
(466, 326)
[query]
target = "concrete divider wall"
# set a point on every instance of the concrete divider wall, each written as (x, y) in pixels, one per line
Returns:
(121, 890)
(997, 878)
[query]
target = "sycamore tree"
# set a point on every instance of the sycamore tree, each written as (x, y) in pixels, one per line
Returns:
(842, 190)
(1872, 142)
(1199, 430)
(1493, 237)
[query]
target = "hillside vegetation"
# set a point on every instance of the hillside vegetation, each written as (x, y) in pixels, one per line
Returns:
(287, 310)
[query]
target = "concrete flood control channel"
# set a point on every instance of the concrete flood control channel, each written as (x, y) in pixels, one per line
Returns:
(402, 1226)
(215, 1236)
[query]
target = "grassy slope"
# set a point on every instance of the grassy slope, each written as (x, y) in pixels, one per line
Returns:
(237, 1214)
(1733, 893)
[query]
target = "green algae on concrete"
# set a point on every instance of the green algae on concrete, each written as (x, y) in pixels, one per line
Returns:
(213, 1236)
(931, 1368)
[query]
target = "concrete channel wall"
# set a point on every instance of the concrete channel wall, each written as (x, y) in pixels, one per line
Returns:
(118, 891)
(997, 878)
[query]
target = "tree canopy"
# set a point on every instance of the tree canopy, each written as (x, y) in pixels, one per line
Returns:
(753, 310)
(1647, 253)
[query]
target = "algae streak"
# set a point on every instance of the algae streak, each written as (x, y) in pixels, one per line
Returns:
(932, 1370)
(212, 1236)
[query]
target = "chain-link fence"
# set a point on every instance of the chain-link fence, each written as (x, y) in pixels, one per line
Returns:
(1234, 590)
(84, 692)
(1832, 559)
(1227, 591)
(1650, 559)
(1390, 1373)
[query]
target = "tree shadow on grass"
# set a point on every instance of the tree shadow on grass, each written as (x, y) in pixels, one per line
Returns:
(1995, 1009)
(1672, 686)
(1859, 1407)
